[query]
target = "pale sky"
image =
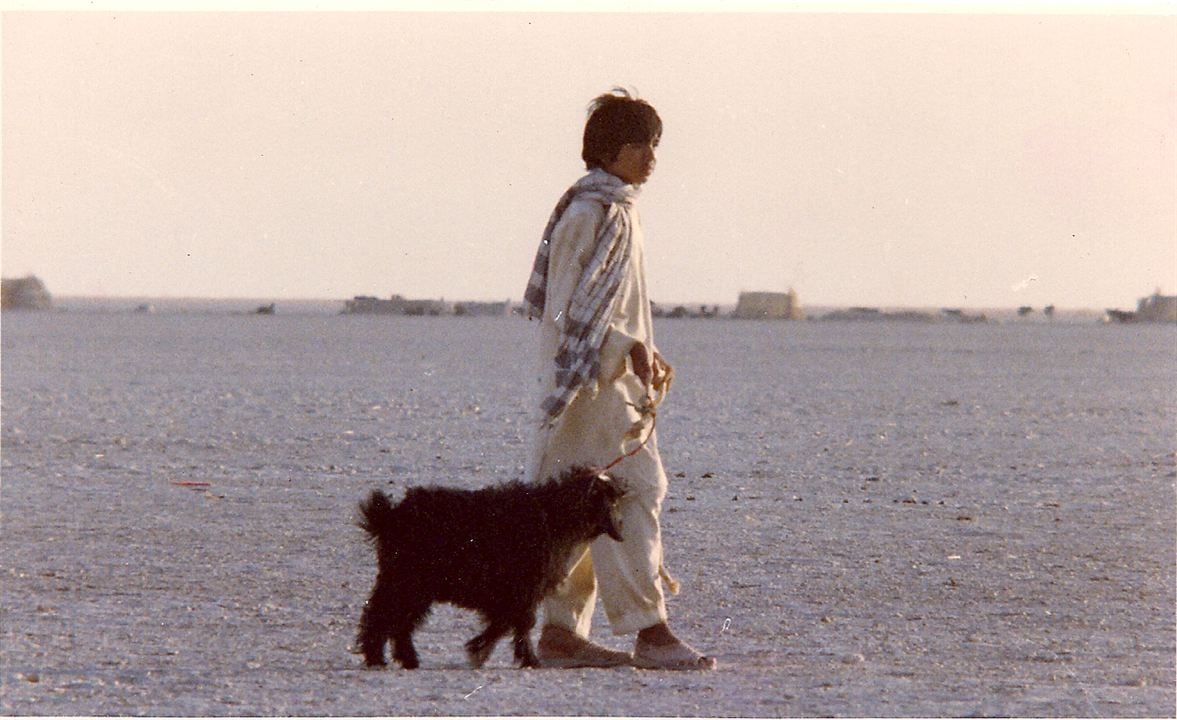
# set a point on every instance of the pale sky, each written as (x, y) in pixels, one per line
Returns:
(883, 159)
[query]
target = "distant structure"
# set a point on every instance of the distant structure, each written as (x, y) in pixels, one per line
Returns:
(395, 305)
(1154, 308)
(1157, 308)
(483, 309)
(768, 306)
(869, 314)
(1025, 311)
(682, 311)
(399, 305)
(859, 313)
(960, 316)
(27, 293)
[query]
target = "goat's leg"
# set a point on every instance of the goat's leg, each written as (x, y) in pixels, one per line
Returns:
(409, 615)
(479, 648)
(524, 652)
(374, 627)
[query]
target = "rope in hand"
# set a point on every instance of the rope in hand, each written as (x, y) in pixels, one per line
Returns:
(647, 411)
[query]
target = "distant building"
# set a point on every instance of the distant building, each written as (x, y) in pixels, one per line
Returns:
(870, 314)
(1154, 308)
(1157, 308)
(395, 305)
(768, 306)
(483, 309)
(682, 311)
(27, 293)
(369, 305)
(960, 316)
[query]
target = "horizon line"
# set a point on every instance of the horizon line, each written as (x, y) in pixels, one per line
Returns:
(513, 301)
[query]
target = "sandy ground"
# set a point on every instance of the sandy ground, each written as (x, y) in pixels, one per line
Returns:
(888, 520)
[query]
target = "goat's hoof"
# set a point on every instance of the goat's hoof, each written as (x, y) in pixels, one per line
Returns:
(477, 659)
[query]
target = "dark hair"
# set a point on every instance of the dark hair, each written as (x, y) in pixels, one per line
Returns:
(615, 119)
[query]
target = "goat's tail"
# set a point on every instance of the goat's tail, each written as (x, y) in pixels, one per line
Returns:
(376, 515)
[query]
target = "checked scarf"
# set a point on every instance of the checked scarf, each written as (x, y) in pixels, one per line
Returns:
(586, 322)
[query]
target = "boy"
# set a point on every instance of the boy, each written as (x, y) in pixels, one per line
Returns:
(598, 361)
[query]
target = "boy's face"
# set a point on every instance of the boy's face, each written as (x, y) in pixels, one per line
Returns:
(634, 162)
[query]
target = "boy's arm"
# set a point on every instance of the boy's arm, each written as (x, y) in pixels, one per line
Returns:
(570, 252)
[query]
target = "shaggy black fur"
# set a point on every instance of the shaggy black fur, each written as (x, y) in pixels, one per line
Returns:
(498, 550)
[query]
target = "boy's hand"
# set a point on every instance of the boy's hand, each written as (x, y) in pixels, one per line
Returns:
(654, 371)
(639, 358)
(662, 374)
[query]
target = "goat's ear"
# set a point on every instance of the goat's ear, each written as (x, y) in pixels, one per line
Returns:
(616, 487)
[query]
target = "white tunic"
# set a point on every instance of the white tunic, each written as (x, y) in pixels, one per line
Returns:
(591, 429)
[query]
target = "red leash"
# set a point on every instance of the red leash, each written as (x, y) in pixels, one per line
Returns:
(648, 409)
(642, 444)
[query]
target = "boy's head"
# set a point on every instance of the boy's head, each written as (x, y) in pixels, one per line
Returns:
(616, 119)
